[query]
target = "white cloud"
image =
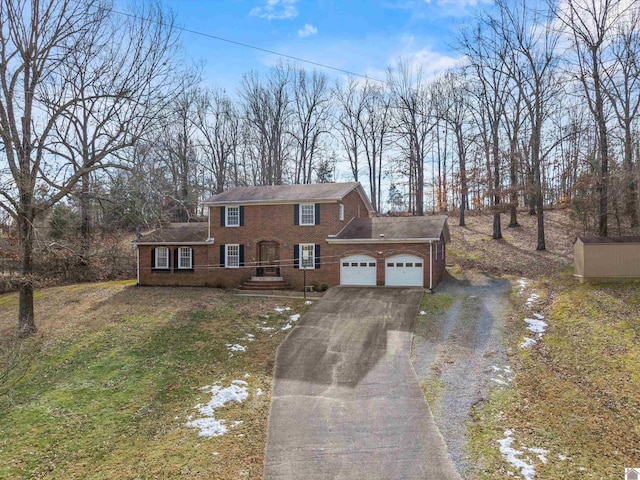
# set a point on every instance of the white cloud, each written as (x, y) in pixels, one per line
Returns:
(276, 10)
(307, 30)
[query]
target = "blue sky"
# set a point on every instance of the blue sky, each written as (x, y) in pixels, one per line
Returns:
(360, 36)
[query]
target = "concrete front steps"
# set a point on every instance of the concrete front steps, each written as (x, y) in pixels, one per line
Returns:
(265, 283)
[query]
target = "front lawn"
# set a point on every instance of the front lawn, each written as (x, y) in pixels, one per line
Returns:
(108, 385)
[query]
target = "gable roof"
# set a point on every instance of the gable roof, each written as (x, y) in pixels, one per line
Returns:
(314, 192)
(393, 229)
(627, 239)
(178, 233)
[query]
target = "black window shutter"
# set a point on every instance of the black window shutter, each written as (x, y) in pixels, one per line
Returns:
(296, 256)
(222, 215)
(176, 253)
(222, 251)
(317, 253)
(153, 258)
(241, 216)
(241, 254)
(296, 214)
(317, 211)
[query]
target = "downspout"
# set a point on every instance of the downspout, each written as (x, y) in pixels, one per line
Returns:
(431, 267)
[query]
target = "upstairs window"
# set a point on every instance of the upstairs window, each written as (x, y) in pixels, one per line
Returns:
(342, 212)
(233, 217)
(307, 214)
(185, 258)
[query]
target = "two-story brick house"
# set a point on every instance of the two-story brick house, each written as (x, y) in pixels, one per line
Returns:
(289, 234)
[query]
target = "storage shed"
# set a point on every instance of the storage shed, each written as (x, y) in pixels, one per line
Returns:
(606, 259)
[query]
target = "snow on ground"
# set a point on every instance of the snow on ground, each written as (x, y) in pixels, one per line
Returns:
(282, 309)
(207, 423)
(522, 283)
(536, 326)
(422, 312)
(308, 302)
(235, 347)
(533, 298)
(503, 376)
(524, 465)
(528, 342)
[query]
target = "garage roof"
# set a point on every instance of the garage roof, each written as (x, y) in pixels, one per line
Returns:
(389, 229)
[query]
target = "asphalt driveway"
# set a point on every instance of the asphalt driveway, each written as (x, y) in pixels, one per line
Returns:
(346, 401)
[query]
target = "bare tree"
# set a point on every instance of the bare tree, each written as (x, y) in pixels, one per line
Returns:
(43, 45)
(349, 110)
(268, 112)
(590, 24)
(311, 103)
(218, 122)
(413, 120)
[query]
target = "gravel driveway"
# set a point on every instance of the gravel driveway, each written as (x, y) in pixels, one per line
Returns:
(460, 353)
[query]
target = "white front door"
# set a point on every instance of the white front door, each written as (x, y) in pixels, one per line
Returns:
(404, 271)
(358, 270)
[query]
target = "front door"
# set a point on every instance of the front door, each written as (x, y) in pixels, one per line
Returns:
(269, 256)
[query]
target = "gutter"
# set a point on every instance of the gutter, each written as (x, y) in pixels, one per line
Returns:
(381, 240)
(176, 243)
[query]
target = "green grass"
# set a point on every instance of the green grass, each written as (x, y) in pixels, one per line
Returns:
(577, 393)
(112, 400)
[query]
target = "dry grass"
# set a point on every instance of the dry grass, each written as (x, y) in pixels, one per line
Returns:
(515, 254)
(105, 388)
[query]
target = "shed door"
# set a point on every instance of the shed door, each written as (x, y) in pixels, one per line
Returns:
(358, 270)
(404, 271)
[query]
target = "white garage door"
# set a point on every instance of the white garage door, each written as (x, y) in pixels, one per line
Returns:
(404, 271)
(358, 270)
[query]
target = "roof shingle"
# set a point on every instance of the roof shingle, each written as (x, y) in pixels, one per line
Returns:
(390, 228)
(178, 233)
(284, 193)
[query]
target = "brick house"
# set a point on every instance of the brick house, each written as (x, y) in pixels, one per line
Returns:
(284, 236)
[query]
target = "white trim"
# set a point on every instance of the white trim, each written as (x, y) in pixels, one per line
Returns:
(226, 255)
(211, 241)
(313, 256)
(380, 240)
(180, 266)
(430, 265)
(313, 215)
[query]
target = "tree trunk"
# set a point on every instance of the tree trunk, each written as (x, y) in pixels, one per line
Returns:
(497, 229)
(26, 321)
(631, 199)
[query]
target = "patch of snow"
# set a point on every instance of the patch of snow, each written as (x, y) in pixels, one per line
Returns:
(258, 392)
(287, 327)
(247, 375)
(216, 453)
(511, 454)
(295, 318)
(282, 309)
(536, 326)
(265, 329)
(533, 298)
(207, 424)
(499, 381)
(562, 457)
(523, 284)
(308, 302)
(538, 316)
(528, 342)
(249, 337)
(422, 312)
(236, 348)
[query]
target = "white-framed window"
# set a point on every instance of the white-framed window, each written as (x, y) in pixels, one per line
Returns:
(162, 258)
(342, 212)
(185, 258)
(232, 256)
(233, 217)
(307, 214)
(307, 256)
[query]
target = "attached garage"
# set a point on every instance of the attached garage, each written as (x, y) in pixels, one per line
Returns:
(404, 271)
(358, 270)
